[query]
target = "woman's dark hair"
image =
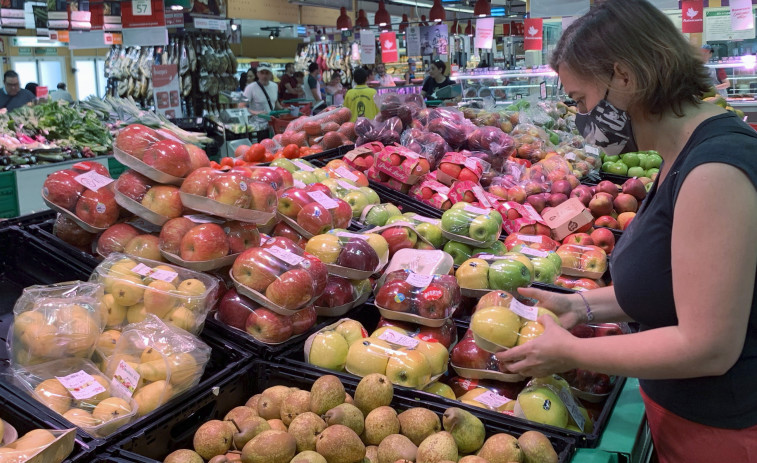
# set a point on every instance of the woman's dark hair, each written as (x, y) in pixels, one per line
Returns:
(441, 65)
(360, 75)
(666, 69)
(32, 87)
(243, 81)
(312, 67)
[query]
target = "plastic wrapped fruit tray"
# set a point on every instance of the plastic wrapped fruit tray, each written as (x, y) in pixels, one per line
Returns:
(154, 442)
(44, 232)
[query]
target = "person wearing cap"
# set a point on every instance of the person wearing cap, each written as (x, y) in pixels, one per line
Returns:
(719, 77)
(263, 94)
(410, 74)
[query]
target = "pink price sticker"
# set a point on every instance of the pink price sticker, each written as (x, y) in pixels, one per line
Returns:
(346, 185)
(302, 166)
(418, 280)
(124, 381)
(345, 173)
(93, 181)
(81, 385)
(572, 406)
(299, 183)
(491, 399)
(393, 337)
(570, 156)
(476, 210)
(201, 218)
(531, 212)
(523, 310)
(533, 252)
(481, 195)
(321, 198)
(163, 275)
(284, 255)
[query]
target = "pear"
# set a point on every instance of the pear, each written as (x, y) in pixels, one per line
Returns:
(418, 423)
(436, 448)
(240, 414)
(473, 459)
(53, 394)
(501, 448)
(348, 398)
(327, 392)
(467, 429)
(277, 425)
(246, 430)
(270, 447)
(396, 447)
(536, 448)
(106, 343)
(348, 415)
(296, 403)
(152, 396)
(380, 423)
(183, 456)
(308, 456)
(211, 439)
(269, 405)
(33, 440)
(373, 391)
(305, 428)
(150, 354)
(252, 402)
(79, 417)
(340, 444)
(111, 409)
(371, 454)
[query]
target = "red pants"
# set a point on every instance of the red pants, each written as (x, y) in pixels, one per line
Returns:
(678, 440)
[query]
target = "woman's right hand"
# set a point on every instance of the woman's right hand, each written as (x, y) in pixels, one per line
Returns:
(561, 304)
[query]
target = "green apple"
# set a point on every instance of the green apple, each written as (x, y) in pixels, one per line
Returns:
(484, 228)
(357, 201)
(652, 171)
(614, 158)
(522, 258)
(606, 166)
(544, 270)
(408, 368)
(392, 209)
(630, 159)
(508, 274)
(378, 215)
(496, 324)
(397, 218)
(460, 252)
(473, 274)
(331, 184)
(440, 389)
(618, 168)
(496, 249)
(655, 160)
(368, 356)
(456, 221)
(304, 176)
(379, 244)
(373, 197)
(329, 350)
(286, 164)
(497, 216)
(542, 405)
(320, 174)
(351, 331)
(636, 172)
(643, 160)
(556, 260)
(431, 233)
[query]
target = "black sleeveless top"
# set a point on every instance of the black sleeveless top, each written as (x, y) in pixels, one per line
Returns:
(642, 275)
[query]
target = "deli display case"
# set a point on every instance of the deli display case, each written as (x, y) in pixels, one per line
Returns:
(505, 87)
(741, 72)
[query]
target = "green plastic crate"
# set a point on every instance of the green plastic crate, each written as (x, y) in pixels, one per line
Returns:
(115, 168)
(8, 195)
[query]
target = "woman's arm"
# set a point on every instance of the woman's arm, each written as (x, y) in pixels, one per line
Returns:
(714, 259)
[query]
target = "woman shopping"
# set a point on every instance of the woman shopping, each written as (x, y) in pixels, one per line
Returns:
(436, 79)
(685, 268)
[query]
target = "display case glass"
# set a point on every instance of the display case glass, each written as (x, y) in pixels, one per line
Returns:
(507, 86)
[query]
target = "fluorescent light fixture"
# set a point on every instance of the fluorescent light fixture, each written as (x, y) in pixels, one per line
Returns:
(429, 5)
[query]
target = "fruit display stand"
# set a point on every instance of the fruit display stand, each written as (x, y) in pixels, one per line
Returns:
(155, 441)
(627, 434)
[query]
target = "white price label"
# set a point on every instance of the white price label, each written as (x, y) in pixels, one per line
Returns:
(302, 166)
(523, 310)
(533, 252)
(125, 381)
(201, 218)
(418, 280)
(299, 184)
(591, 149)
(346, 173)
(352, 235)
(572, 407)
(81, 385)
(476, 210)
(346, 185)
(531, 238)
(141, 8)
(393, 337)
(481, 195)
(93, 180)
(164, 275)
(570, 156)
(491, 399)
(284, 255)
(489, 257)
(531, 212)
(420, 218)
(321, 198)
(472, 164)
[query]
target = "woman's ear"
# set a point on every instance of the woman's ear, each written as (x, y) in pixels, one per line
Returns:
(622, 77)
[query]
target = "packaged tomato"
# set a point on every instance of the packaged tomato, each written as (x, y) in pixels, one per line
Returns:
(417, 298)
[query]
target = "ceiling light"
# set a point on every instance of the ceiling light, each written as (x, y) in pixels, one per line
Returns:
(343, 22)
(362, 21)
(469, 29)
(382, 17)
(437, 13)
(482, 8)
(234, 27)
(177, 7)
(405, 23)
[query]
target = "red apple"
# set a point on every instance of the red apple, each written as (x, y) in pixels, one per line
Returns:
(134, 185)
(395, 295)
(562, 186)
(318, 272)
(98, 208)
(268, 326)
(604, 238)
(625, 203)
(466, 354)
(342, 214)
(583, 193)
(67, 230)
(399, 238)
(82, 167)
(318, 187)
(241, 236)
(231, 189)
(283, 243)
(292, 290)
(433, 302)
(197, 157)
(198, 181)
(444, 334)
(607, 186)
(234, 309)
(144, 246)
(164, 200)
(584, 283)
(583, 239)
(256, 269)
(135, 139)
(635, 188)
(625, 218)
(582, 331)
(292, 200)
(172, 233)
(607, 221)
(286, 178)
(358, 254)
(169, 157)
(555, 199)
(538, 201)
(607, 329)
(61, 189)
(451, 169)
(285, 231)
(115, 238)
(206, 241)
(268, 175)
(303, 320)
(338, 292)
(601, 204)
(315, 219)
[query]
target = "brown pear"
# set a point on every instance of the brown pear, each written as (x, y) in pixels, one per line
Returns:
(308, 456)
(501, 448)
(472, 459)
(270, 447)
(379, 423)
(436, 448)
(246, 430)
(269, 405)
(536, 448)
(212, 438)
(297, 402)
(240, 414)
(466, 428)
(418, 423)
(396, 447)
(277, 425)
(252, 402)
(348, 415)
(305, 429)
(183, 456)
(371, 454)
(340, 444)
(373, 391)
(327, 392)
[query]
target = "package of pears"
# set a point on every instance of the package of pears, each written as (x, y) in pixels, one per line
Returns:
(134, 287)
(36, 446)
(56, 321)
(155, 361)
(77, 390)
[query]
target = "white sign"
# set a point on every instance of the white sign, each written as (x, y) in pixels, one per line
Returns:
(717, 26)
(367, 47)
(141, 7)
(413, 39)
(165, 82)
(211, 24)
(484, 33)
(81, 385)
(742, 17)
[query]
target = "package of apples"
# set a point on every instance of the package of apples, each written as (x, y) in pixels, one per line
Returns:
(377, 215)
(56, 321)
(523, 219)
(341, 295)
(549, 400)
(401, 164)
(479, 275)
(279, 275)
(362, 157)
(509, 324)
(587, 261)
(430, 191)
(339, 169)
(429, 144)
(350, 255)
(476, 226)
(496, 396)
(261, 323)
(235, 196)
(82, 194)
(135, 237)
(203, 243)
(313, 210)
(423, 261)
(157, 155)
(457, 166)
(135, 286)
(417, 298)
(472, 362)
(147, 199)
(402, 234)
(587, 385)
(82, 394)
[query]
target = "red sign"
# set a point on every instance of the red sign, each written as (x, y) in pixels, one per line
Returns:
(41, 92)
(692, 16)
(533, 33)
(143, 13)
(98, 15)
(389, 53)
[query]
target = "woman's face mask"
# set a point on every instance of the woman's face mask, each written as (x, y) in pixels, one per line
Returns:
(607, 127)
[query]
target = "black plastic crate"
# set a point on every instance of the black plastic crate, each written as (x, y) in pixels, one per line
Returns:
(44, 232)
(27, 220)
(155, 441)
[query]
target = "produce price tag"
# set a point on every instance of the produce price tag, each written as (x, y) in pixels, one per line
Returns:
(201, 218)
(284, 255)
(570, 156)
(476, 210)
(125, 381)
(525, 311)
(472, 164)
(141, 8)
(420, 218)
(491, 399)
(352, 235)
(321, 198)
(531, 238)
(481, 195)
(81, 385)
(591, 149)
(302, 166)
(346, 185)
(93, 180)
(533, 252)
(399, 339)
(299, 184)
(573, 409)
(531, 212)
(164, 275)
(345, 173)
(418, 280)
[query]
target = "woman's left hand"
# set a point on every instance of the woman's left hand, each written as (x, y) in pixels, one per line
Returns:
(544, 355)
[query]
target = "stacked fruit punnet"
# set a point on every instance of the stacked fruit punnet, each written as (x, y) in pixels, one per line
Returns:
(351, 255)
(342, 294)
(303, 172)
(162, 200)
(500, 327)
(472, 225)
(583, 261)
(285, 424)
(313, 210)
(508, 272)
(548, 400)
(417, 298)
(35, 443)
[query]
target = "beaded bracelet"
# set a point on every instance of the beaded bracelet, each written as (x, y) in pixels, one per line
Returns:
(589, 313)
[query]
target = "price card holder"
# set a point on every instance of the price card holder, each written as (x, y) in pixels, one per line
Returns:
(543, 90)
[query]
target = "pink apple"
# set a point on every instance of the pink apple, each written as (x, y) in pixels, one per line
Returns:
(315, 219)
(303, 320)
(98, 208)
(292, 200)
(256, 269)
(231, 189)
(241, 235)
(608, 187)
(115, 238)
(133, 185)
(342, 214)
(319, 187)
(607, 221)
(601, 204)
(283, 243)
(135, 139)
(562, 186)
(286, 177)
(169, 157)
(285, 231)
(603, 238)
(318, 272)
(268, 326)
(292, 290)
(205, 241)
(583, 193)
(172, 232)
(593, 259)
(268, 175)
(197, 157)
(582, 239)
(264, 197)
(61, 189)
(625, 202)
(164, 200)
(198, 181)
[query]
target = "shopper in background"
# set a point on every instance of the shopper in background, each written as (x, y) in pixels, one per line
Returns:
(13, 96)
(299, 77)
(410, 73)
(335, 88)
(436, 78)
(360, 99)
(243, 81)
(263, 95)
(718, 76)
(252, 75)
(313, 88)
(288, 88)
(685, 267)
(385, 80)
(61, 94)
